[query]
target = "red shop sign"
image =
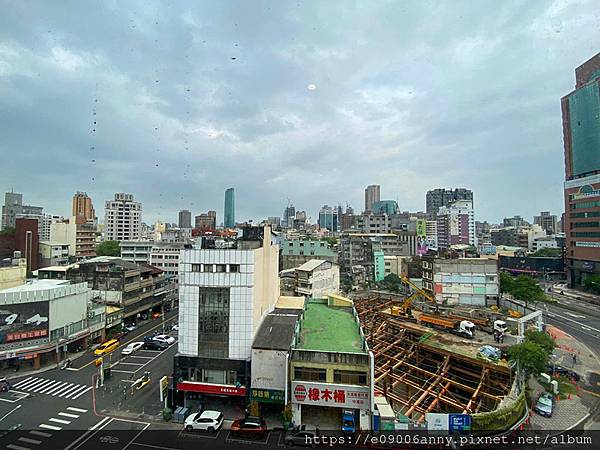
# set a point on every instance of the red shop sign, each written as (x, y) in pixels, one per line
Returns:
(215, 389)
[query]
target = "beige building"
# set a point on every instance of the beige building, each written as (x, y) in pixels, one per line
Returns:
(83, 208)
(396, 264)
(53, 253)
(317, 278)
(122, 218)
(79, 234)
(12, 273)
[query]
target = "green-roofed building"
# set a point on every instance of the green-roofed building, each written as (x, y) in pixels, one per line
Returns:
(330, 365)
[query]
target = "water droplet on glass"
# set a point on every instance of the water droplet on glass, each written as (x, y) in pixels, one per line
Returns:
(233, 58)
(311, 87)
(93, 160)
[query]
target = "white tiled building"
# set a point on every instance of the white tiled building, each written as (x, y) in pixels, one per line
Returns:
(123, 218)
(224, 293)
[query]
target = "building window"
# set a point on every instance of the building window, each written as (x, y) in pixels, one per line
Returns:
(221, 268)
(349, 377)
(213, 322)
(196, 268)
(234, 268)
(208, 268)
(309, 374)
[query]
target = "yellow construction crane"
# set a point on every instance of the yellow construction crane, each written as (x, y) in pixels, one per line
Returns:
(404, 310)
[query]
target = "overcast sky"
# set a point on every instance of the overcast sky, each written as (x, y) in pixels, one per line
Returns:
(309, 101)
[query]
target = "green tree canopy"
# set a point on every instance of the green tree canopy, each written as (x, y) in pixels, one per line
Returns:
(506, 282)
(592, 283)
(530, 356)
(547, 253)
(108, 248)
(542, 339)
(391, 282)
(522, 288)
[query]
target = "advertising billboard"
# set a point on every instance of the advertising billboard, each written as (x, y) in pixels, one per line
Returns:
(23, 321)
(327, 394)
(421, 237)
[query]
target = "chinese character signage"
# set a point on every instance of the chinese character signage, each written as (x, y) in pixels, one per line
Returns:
(23, 321)
(336, 395)
(267, 395)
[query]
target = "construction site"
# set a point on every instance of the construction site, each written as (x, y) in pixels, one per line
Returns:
(429, 359)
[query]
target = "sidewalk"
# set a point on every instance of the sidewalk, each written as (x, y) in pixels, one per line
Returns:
(570, 410)
(11, 374)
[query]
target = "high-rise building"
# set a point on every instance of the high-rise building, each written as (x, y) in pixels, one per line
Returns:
(514, 221)
(547, 221)
(83, 208)
(388, 207)
(122, 218)
(581, 135)
(206, 221)
(372, 195)
(14, 208)
(229, 211)
(437, 198)
(225, 293)
(456, 224)
(328, 218)
(289, 214)
(185, 219)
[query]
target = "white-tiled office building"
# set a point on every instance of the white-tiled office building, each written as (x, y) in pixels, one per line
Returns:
(224, 293)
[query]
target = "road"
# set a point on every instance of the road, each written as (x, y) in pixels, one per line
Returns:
(57, 407)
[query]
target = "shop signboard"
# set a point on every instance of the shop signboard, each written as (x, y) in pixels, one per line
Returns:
(328, 394)
(267, 395)
(23, 321)
(208, 388)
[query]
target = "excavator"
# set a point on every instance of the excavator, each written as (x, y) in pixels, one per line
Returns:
(404, 310)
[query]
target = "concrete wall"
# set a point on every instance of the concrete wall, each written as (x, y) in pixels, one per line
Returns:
(11, 276)
(265, 291)
(65, 232)
(268, 369)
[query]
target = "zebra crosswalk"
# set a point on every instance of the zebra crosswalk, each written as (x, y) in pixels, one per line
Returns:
(55, 388)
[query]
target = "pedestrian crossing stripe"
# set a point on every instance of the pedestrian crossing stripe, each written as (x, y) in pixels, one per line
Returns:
(55, 388)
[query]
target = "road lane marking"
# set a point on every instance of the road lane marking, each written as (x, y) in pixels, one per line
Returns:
(51, 386)
(71, 391)
(80, 394)
(120, 371)
(88, 434)
(40, 433)
(61, 388)
(17, 447)
(22, 381)
(76, 391)
(131, 364)
(135, 339)
(31, 382)
(50, 427)
(64, 422)
(580, 324)
(71, 416)
(71, 408)
(577, 316)
(30, 441)
(136, 436)
(44, 384)
(142, 357)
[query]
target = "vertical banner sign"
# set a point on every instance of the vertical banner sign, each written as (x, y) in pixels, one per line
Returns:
(164, 385)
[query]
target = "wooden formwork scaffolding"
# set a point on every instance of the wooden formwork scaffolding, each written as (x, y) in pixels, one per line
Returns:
(418, 378)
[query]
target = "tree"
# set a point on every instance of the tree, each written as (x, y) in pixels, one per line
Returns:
(331, 240)
(506, 282)
(8, 231)
(108, 248)
(592, 283)
(527, 289)
(546, 253)
(542, 339)
(529, 356)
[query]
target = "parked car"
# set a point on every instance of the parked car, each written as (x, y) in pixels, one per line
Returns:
(210, 421)
(563, 371)
(129, 327)
(252, 427)
(133, 347)
(164, 338)
(155, 315)
(302, 435)
(175, 327)
(545, 404)
(155, 345)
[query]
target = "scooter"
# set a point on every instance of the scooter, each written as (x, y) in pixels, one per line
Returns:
(5, 385)
(66, 364)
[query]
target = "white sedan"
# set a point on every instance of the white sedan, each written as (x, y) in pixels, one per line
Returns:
(133, 347)
(209, 421)
(164, 338)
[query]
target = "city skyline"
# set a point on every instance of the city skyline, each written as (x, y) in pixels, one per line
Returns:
(223, 108)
